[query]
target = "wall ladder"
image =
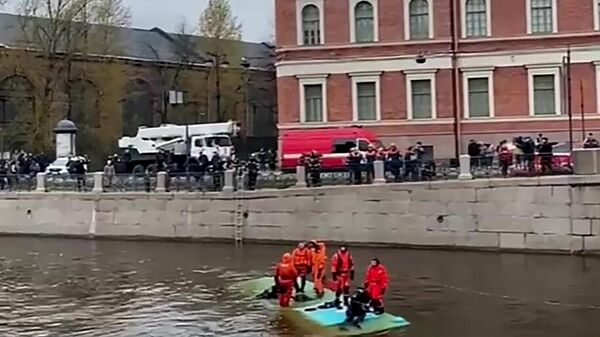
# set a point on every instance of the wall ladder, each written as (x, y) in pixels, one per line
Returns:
(240, 218)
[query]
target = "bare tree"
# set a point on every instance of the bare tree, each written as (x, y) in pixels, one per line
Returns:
(54, 30)
(109, 16)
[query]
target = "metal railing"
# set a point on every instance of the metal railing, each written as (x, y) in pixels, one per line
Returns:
(484, 167)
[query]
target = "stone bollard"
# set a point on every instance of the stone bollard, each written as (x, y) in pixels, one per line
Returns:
(161, 182)
(585, 161)
(228, 185)
(300, 176)
(98, 182)
(465, 167)
(379, 168)
(41, 182)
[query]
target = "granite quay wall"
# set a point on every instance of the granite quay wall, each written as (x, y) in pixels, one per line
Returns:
(556, 214)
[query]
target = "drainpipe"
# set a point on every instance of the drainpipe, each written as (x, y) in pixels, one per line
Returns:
(455, 79)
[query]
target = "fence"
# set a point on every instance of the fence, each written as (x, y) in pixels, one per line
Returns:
(468, 168)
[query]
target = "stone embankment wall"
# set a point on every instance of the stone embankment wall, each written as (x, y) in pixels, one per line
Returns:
(540, 214)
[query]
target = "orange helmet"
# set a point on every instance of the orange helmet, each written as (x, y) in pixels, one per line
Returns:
(286, 258)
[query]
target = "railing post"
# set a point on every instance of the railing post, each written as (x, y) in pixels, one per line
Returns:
(300, 176)
(228, 183)
(465, 167)
(161, 182)
(98, 182)
(379, 168)
(41, 182)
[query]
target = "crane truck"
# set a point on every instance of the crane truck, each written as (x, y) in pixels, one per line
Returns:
(178, 142)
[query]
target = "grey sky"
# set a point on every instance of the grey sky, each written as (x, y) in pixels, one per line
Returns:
(256, 15)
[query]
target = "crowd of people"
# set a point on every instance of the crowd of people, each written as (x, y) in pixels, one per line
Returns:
(310, 259)
(20, 167)
(523, 153)
(403, 166)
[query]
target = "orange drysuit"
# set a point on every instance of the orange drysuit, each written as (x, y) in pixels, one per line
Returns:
(303, 263)
(376, 282)
(342, 269)
(319, 259)
(285, 279)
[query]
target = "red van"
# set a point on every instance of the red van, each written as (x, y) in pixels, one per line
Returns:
(333, 144)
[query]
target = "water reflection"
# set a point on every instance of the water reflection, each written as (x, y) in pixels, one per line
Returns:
(57, 287)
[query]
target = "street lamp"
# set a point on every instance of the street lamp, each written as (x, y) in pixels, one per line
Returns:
(217, 61)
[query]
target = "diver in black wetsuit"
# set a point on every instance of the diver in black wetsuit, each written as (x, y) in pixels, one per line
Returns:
(358, 308)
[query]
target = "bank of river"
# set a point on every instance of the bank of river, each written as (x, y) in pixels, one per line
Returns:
(61, 287)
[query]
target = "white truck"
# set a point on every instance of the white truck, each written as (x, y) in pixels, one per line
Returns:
(210, 139)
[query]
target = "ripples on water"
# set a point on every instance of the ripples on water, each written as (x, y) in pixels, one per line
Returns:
(55, 287)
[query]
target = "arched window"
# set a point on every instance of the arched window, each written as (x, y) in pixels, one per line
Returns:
(364, 22)
(138, 107)
(17, 105)
(541, 16)
(476, 18)
(84, 104)
(419, 19)
(311, 25)
(16, 98)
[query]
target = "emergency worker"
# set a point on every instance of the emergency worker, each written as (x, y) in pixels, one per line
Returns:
(313, 166)
(371, 156)
(342, 270)
(376, 282)
(319, 259)
(302, 261)
(285, 279)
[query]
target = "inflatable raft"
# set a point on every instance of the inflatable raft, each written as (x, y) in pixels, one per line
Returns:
(312, 310)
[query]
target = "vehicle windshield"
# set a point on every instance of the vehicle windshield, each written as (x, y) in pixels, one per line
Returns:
(60, 162)
(218, 141)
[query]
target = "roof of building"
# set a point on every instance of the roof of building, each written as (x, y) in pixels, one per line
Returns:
(154, 44)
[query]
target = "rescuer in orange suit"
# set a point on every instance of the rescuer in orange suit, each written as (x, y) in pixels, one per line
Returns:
(319, 259)
(302, 262)
(285, 279)
(342, 270)
(376, 282)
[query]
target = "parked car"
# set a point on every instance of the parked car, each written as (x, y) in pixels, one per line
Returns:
(59, 166)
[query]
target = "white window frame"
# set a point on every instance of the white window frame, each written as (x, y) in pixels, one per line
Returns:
(596, 7)
(407, 18)
(416, 75)
(312, 80)
(352, 13)
(597, 66)
(488, 14)
(300, 4)
(544, 70)
(478, 73)
(366, 78)
(554, 16)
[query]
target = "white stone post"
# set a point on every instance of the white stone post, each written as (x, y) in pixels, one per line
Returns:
(228, 184)
(300, 176)
(98, 182)
(585, 161)
(161, 182)
(465, 167)
(41, 182)
(379, 168)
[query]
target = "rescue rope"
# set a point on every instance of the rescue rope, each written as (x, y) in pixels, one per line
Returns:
(504, 297)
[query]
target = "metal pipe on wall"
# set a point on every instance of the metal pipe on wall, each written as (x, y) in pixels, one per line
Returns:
(455, 79)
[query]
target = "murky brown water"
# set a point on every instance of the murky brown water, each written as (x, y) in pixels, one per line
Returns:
(58, 287)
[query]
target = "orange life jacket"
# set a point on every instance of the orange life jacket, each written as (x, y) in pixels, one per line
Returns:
(377, 275)
(319, 258)
(301, 257)
(342, 262)
(285, 272)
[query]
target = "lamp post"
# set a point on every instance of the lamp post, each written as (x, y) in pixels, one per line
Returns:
(246, 79)
(567, 83)
(217, 61)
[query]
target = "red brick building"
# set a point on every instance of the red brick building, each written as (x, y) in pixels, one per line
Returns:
(488, 69)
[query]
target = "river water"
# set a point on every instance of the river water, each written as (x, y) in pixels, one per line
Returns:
(61, 287)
